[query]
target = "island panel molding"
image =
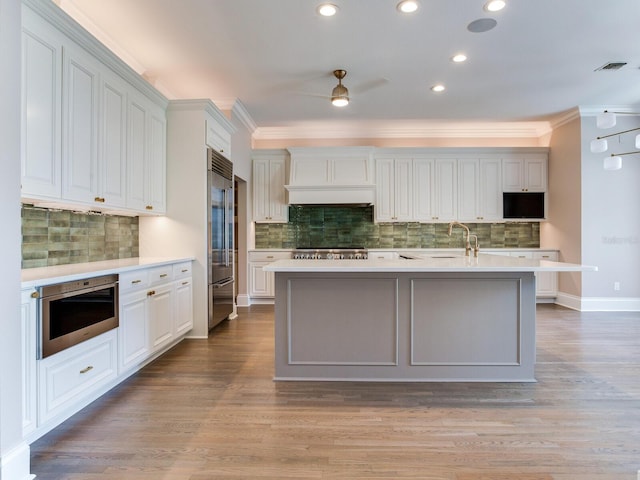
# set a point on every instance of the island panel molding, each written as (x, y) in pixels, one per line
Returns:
(488, 335)
(326, 329)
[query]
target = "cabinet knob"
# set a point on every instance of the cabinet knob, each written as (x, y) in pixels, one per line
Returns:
(151, 293)
(35, 294)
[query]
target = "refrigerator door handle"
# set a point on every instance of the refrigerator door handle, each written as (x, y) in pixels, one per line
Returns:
(224, 284)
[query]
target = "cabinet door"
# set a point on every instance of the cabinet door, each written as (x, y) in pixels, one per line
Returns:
(535, 170)
(490, 189)
(385, 190)
(512, 175)
(136, 153)
(160, 300)
(218, 138)
(546, 282)
(403, 198)
(80, 125)
(261, 190)
(29, 367)
(157, 165)
(468, 189)
(184, 306)
(112, 157)
(41, 161)
(133, 330)
(445, 199)
(422, 190)
(279, 210)
(260, 282)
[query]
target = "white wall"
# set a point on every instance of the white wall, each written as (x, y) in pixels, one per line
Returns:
(14, 454)
(611, 215)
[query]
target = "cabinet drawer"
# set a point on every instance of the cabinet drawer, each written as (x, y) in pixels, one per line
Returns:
(182, 270)
(268, 256)
(73, 374)
(161, 274)
(134, 280)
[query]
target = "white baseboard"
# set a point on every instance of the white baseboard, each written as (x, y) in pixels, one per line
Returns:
(16, 463)
(243, 300)
(598, 304)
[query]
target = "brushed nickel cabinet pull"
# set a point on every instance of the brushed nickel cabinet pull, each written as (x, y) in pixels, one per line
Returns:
(184, 270)
(185, 283)
(269, 256)
(135, 281)
(162, 275)
(86, 369)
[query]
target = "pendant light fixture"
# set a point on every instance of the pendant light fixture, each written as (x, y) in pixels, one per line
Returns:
(340, 94)
(607, 119)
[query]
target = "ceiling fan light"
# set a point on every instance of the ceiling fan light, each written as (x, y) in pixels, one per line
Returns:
(340, 96)
(606, 120)
(613, 163)
(408, 6)
(327, 9)
(495, 5)
(599, 145)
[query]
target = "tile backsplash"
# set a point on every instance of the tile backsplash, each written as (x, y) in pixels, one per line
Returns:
(58, 237)
(324, 226)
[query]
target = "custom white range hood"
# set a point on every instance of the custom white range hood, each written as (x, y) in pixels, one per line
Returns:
(331, 176)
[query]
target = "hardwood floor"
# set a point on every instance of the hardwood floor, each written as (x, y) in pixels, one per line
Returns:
(210, 410)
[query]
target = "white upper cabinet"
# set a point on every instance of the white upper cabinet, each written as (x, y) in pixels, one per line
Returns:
(479, 189)
(525, 173)
(81, 76)
(269, 198)
(218, 138)
(94, 133)
(422, 183)
(41, 108)
(445, 188)
(394, 197)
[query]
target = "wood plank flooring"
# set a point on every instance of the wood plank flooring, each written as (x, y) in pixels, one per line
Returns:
(208, 409)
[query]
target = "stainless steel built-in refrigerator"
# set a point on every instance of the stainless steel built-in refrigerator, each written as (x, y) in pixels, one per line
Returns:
(220, 233)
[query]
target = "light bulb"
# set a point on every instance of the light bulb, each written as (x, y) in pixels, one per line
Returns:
(408, 6)
(494, 5)
(599, 145)
(606, 120)
(340, 102)
(327, 9)
(438, 88)
(459, 58)
(613, 163)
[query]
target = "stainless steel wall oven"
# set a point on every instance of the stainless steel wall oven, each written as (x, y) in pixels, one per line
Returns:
(75, 311)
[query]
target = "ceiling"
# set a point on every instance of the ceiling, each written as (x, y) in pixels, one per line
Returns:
(277, 56)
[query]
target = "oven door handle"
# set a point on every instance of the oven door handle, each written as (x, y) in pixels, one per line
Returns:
(224, 284)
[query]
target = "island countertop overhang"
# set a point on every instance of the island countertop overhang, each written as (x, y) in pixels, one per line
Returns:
(429, 263)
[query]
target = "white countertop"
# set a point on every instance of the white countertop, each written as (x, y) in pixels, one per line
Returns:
(34, 277)
(444, 262)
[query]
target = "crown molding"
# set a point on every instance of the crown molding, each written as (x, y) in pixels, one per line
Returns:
(241, 112)
(405, 130)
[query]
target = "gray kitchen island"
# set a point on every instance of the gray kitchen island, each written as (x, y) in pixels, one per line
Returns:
(433, 318)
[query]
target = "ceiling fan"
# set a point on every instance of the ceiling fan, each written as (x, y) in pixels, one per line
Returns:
(340, 93)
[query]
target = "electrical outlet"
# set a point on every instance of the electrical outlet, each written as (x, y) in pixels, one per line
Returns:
(616, 286)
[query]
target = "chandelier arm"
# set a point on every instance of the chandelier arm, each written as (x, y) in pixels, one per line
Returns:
(618, 133)
(626, 153)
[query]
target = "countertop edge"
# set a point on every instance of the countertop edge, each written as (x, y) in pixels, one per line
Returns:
(36, 277)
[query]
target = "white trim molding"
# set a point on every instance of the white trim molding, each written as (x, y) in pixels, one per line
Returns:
(16, 463)
(598, 304)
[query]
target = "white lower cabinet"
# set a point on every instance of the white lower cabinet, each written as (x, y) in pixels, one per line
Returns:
(69, 377)
(261, 283)
(546, 282)
(155, 312)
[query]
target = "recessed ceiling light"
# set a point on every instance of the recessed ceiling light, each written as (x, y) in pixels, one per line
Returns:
(408, 6)
(438, 88)
(327, 9)
(494, 5)
(459, 58)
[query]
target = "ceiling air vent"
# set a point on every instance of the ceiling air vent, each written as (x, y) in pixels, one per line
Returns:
(611, 66)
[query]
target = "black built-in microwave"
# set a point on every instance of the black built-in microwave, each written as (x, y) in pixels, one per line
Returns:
(523, 205)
